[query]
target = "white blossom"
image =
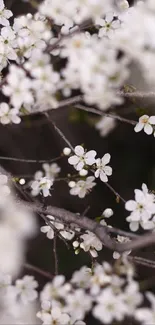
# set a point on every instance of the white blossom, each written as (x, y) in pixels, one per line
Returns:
(108, 24)
(105, 125)
(42, 185)
(141, 209)
(82, 158)
(110, 307)
(55, 290)
(4, 14)
(147, 315)
(145, 122)
(103, 170)
(51, 171)
(26, 289)
(55, 317)
(82, 187)
(8, 115)
(78, 304)
(90, 243)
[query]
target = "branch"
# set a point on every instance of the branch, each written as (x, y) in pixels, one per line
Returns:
(101, 113)
(23, 160)
(100, 231)
(142, 261)
(38, 270)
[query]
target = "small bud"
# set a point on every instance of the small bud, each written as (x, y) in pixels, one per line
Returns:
(83, 172)
(75, 244)
(22, 181)
(66, 151)
(77, 251)
(71, 184)
(107, 213)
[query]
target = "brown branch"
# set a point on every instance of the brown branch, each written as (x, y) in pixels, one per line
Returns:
(100, 231)
(38, 270)
(101, 113)
(142, 261)
(23, 160)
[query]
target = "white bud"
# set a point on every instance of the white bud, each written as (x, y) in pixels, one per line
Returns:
(107, 213)
(22, 181)
(71, 184)
(83, 172)
(75, 244)
(66, 151)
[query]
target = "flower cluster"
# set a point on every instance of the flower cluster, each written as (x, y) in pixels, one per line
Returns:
(53, 226)
(110, 296)
(83, 161)
(43, 180)
(142, 209)
(19, 295)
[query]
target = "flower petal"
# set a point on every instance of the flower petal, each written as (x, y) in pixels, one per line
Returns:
(152, 120)
(108, 170)
(148, 129)
(138, 127)
(73, 160)
(106, 159)
(79, 151)
(103, 177)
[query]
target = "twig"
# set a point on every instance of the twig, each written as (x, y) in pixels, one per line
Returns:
(38, 270)
(116, 193)
(101, 113)
(59, 132)
(23, 160)
(61, 104)
(55, 253)
(142, 261)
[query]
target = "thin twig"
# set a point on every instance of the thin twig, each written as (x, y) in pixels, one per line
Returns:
(66, 102)
(142, 261)
(38, 270)
(101, 113)
(55, 253)
(59, 132)
(116, 193)
(35, 161)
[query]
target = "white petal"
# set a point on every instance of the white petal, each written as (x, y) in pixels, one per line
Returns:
(80, 165)
(130, 205)
(79, 151)
(73, 160)
(97, 173)
(148, 129)
(139, 196)
(152, 120)
(50, 234)
(103, 177)
(106, 159)
(45, 229)
(134, 226)
(108, 170)
(139, 127)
